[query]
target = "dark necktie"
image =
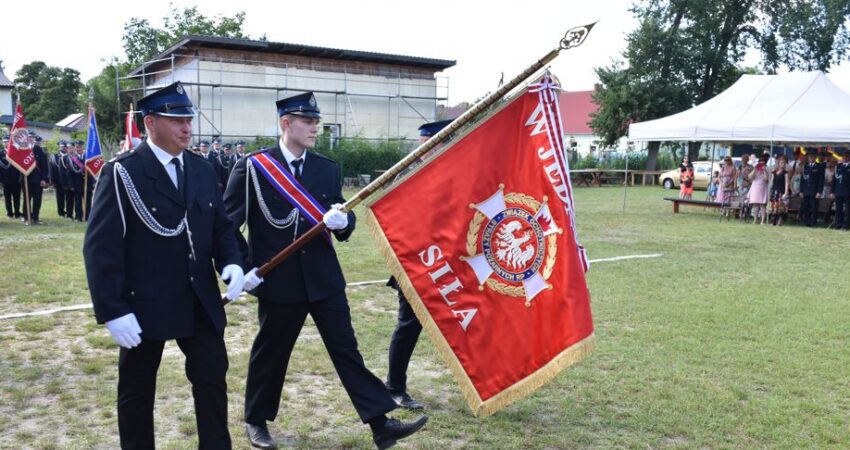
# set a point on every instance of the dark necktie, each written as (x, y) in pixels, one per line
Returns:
(297, 165)
(178, 167)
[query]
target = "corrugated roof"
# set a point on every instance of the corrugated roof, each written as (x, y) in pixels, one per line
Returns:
(576, 108)
(4, 81)
(284, 48)
(71, 121)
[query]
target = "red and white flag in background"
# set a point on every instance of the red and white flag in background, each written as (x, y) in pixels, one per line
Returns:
(19, 151)
(482, 240)
(132, 137)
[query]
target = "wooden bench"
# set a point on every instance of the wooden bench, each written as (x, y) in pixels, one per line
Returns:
(703, 203)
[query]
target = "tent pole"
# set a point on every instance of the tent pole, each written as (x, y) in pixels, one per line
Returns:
(711, 170)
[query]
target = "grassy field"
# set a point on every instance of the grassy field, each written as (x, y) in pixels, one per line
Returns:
(736, 337)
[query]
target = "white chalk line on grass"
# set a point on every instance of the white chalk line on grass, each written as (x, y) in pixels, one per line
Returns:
(47, 312)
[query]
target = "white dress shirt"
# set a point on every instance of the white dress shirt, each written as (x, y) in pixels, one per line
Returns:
(289, 157)
(165, 159)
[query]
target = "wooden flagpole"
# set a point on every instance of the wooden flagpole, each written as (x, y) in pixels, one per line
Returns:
(572, 38)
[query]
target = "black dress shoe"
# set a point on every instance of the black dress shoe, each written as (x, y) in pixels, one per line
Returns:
(405, 401)
(393, 430)
(259, 436)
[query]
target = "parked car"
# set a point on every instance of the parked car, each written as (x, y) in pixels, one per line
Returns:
(702, 174)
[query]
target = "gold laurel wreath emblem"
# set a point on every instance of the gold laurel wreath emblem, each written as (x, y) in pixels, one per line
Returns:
(473, 237)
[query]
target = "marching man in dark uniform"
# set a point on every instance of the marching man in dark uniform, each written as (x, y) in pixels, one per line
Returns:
(811, 187)
(10, 177)
(841, 192)
(309, 282)
(56, 164)
(408, 328)
(37, 179)
(157, 234)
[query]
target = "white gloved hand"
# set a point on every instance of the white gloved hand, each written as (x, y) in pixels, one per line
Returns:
(252, 280)
(335, 219)
(125, 330)
(236, 278)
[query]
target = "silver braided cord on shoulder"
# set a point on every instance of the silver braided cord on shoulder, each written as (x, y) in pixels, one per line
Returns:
(287, 221)
(142, 210)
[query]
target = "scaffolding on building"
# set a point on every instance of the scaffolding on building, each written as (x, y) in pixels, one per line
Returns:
(210, 111)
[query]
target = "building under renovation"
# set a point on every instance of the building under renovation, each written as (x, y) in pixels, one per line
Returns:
(234, 84)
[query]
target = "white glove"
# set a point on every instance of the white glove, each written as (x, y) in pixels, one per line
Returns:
(252, 280)
(125, 330)
(335, 219)
(233, 273)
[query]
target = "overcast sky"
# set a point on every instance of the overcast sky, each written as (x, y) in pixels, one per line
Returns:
(486, 38)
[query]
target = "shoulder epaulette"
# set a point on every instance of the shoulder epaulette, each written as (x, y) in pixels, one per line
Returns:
(321, 156)
(257, 152)
(122, 156)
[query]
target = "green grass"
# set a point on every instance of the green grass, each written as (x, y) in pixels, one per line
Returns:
(735, 338)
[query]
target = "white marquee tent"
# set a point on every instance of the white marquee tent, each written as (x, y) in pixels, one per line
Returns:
(798, 107)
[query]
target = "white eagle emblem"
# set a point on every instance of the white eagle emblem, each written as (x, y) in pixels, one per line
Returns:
(509, 246)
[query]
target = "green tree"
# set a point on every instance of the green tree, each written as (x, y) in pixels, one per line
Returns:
(684, 52)
(110, 120)
(142, 41)
(49, 94)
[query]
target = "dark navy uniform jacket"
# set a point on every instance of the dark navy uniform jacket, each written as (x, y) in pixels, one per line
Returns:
(154, 276)
(841, 181)
(812, 180)
(311, 274)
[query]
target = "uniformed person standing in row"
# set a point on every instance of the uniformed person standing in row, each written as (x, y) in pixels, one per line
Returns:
(152, 276)
(68, 183)
(225, 162)
(811, 186)
(80, 186)
(11, 179)
(309, 282)
(240, 150)
(56, 164)
(36, 180)
(841, 192)
(408, 328)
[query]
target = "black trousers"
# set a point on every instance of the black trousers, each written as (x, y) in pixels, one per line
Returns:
(12, 195)
(60, 200)
(69, 203)
(280, 325)
(206, 366)
(35, 191)
(401, 345)
(809, 210)
(78, 205)
(842, 213)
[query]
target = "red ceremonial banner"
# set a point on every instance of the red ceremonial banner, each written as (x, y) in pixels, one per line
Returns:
(19, 151)
(482, 241)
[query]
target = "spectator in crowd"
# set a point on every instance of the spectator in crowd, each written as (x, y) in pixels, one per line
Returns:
(779, 191)
(686, 179)
(712, 186)
(744, 180)
(757, 193)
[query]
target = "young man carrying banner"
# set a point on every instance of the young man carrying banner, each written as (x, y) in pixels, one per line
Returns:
(280, 193)
(157, 234)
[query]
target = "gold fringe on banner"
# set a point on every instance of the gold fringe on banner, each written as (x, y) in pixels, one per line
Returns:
(520, 389)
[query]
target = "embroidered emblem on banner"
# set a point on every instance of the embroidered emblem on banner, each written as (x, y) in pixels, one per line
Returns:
(512, 244)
